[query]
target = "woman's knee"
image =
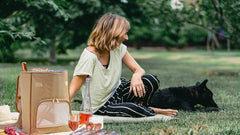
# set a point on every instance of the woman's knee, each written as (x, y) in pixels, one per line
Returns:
(151, 81)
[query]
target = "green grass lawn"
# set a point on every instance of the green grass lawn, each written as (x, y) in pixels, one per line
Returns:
(173, 69)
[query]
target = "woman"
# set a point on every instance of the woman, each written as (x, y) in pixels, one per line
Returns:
(102, 61)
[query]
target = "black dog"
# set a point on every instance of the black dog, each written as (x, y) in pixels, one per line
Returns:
(185, 98)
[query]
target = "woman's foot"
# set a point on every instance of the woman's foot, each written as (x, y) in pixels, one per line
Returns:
(168, 112)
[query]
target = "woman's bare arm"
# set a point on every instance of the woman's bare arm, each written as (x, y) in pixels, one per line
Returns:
(76, 84)
(137, 85)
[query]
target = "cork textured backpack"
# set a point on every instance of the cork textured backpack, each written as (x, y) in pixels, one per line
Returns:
(42, 100)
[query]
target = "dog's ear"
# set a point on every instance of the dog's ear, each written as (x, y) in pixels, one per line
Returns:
(205, 81)
(203, 84)
(197, 83)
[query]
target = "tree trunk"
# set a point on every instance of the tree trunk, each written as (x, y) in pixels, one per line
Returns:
(228, 42)
(228, 45)
(208, 42)
(213, 45)
(216, 41)
(52, 58)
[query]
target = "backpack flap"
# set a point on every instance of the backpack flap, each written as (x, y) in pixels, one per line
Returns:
(52, 113)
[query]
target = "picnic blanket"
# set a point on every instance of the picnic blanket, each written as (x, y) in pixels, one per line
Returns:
(106, 119)
(109, 119)
(158, 117)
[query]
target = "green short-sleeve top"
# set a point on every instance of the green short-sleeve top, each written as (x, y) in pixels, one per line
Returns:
(104, 81)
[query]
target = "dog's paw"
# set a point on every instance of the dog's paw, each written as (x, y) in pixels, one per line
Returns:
(211, 109)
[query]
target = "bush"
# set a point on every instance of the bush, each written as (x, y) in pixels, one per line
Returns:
(194, 34)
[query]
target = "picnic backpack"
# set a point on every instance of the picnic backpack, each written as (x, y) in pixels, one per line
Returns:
(42, 100)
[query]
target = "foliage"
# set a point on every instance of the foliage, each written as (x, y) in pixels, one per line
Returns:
(57, 25)
(212, 16)
(215, 16)
(62, 24)
(7, 38)
(194, 34)
(14, 28)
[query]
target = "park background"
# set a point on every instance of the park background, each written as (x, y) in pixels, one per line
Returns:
(181, 41)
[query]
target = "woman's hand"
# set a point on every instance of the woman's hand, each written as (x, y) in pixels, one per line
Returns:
(137, 85)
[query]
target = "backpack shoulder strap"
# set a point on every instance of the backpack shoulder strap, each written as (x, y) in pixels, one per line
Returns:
(18, 97)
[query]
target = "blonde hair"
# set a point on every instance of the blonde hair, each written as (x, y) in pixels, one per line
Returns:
(109, 32)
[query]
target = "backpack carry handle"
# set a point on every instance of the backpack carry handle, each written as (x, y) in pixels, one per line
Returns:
(18, 97)
(24, 66)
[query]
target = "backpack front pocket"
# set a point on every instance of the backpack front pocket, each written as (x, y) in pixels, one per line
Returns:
(52, 113)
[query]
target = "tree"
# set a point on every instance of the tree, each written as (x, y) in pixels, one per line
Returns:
(58, 25)
(63, 24)
(10, 30)
(214, 16)
(210, 16)
(17, 25)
